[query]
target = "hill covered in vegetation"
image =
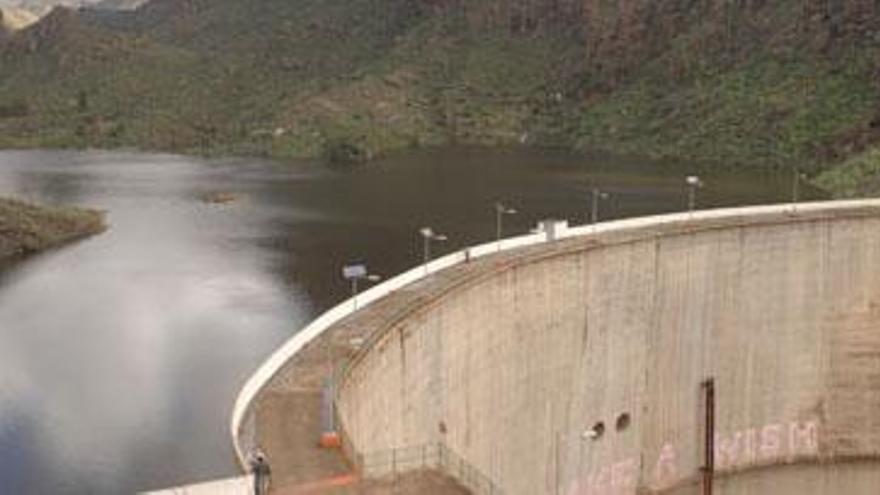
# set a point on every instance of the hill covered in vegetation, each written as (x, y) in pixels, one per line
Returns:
(747, 82)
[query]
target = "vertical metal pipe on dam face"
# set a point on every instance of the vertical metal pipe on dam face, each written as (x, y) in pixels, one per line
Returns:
(708, 435)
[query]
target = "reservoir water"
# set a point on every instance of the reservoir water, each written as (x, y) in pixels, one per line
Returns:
(121, 355)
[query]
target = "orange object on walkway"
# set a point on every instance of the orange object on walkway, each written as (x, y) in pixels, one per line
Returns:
(330, 440)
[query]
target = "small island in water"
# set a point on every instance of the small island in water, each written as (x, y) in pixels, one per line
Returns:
(27, 228)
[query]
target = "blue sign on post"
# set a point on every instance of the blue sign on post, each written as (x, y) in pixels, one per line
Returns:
(354, 271)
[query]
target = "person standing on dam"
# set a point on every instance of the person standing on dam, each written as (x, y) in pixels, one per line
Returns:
(261, 471)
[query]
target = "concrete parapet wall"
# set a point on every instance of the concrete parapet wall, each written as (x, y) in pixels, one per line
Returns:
(511, 359)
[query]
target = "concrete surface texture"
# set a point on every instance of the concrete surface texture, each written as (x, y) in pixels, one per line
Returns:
(243, 485)
(577, 366)
(426, 482)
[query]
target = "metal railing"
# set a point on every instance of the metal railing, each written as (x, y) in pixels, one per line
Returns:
(393, 462)
(472, 478)
(436, 456)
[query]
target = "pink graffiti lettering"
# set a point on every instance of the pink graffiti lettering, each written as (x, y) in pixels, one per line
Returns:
(750, 446)
(727, 449)
(771, 442)
(599, 482)
(803, 439)
(619, 479)
(666, 469)
(624, 474)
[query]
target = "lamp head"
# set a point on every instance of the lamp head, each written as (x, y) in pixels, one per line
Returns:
(589, 434)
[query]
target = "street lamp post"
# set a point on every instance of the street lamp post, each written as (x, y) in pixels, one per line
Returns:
(595, 195)
(355, 272)
(796, 185)
(429, 235)
(693, 183)
(500, 211)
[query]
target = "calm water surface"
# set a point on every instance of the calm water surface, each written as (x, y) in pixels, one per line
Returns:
(121, 355)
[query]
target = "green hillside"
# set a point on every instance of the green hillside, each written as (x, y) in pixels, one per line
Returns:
(749, 83)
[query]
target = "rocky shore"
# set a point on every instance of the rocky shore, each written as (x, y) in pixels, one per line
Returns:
(27, 228)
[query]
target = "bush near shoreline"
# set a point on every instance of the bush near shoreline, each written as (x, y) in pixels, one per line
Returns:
(27, 228)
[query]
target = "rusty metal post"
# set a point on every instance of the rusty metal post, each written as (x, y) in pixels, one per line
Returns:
(708, 468)
(396, 478)
(556, 467)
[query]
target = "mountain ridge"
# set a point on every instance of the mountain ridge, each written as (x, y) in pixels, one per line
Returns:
(42, 7)
(13, 19)
(756, 82)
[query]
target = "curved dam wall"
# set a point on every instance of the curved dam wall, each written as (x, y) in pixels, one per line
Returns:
(577, 366)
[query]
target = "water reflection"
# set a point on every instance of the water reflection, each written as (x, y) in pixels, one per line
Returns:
(120, 356)
(107, 345)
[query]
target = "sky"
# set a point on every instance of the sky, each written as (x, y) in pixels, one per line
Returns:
(42, 6)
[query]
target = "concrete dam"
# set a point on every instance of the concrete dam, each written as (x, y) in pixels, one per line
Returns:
(732, 351)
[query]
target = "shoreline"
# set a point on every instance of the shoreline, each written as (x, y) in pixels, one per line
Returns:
(662, 162)
(27, 228)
